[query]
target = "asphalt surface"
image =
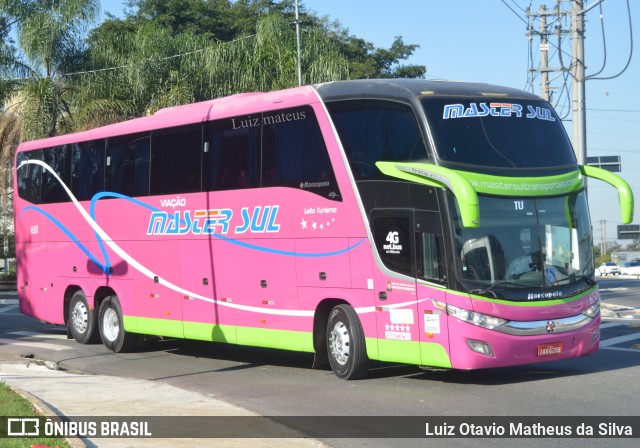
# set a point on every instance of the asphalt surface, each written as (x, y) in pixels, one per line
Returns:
(58, 393)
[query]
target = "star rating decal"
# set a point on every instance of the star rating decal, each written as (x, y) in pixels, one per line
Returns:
(316, 225)
(392, 327)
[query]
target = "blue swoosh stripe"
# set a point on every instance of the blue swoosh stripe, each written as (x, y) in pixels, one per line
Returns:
(105, 267)
(240, 243)
(67, 232)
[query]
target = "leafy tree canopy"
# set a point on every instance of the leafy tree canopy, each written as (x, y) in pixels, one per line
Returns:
(225, 20)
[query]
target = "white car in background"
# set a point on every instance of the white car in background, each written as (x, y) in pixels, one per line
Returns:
(609, 268)
(630, 268)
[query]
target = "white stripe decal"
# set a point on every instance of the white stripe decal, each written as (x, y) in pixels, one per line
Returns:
(149, 274)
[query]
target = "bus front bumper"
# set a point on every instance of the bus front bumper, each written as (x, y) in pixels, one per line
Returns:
(474, 347)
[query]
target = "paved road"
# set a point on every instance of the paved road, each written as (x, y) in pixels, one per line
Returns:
(275, 383)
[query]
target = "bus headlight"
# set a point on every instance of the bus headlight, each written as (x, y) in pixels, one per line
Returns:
(593, 310)
(479, 319)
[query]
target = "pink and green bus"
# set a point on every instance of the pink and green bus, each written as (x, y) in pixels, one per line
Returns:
(428, 223)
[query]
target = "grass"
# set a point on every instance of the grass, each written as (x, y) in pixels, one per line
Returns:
(13, 405)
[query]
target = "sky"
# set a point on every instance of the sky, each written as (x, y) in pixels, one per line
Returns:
(485, 41)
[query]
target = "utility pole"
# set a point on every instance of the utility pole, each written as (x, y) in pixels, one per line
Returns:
(603, 237)
(576, 69)
(544, 53)
(298, 44)
(544, 32)
(578, 101)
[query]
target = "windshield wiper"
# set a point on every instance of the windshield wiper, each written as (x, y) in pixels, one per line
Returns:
(489, 289)
(588, 280)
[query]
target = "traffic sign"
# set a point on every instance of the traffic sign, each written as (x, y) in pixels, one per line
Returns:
(609, 163)
(629, 232)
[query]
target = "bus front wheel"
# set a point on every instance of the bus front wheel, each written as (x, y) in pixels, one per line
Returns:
(82, 321)
(112, 332)
(346, 344)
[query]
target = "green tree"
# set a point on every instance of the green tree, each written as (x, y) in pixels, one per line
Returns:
(151, 67)
(33, 95)
(49, 35)
(366, 61)
(213, 19)
(225, 20)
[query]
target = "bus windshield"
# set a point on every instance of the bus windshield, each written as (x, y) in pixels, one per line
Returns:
(525, 243)
(497, 133)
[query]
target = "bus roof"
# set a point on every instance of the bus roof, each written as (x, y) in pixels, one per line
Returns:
(407, 89)
(247, 103)
(239, 104)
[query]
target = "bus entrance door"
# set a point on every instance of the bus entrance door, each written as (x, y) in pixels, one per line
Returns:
(398, 327)
(431, 293)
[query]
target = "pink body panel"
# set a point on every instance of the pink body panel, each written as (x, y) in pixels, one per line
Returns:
(513, 350)
(277, 255)
(214, 278)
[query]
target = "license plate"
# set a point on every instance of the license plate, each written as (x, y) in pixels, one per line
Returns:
(549, 349)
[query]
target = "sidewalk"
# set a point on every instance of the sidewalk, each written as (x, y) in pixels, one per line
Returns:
(58, 393)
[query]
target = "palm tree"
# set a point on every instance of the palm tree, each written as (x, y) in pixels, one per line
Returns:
(142, 70)
(49, 35)
(33, 95)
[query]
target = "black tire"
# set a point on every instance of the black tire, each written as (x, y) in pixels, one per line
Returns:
(82, 320)
(112, 332)
(346, 344)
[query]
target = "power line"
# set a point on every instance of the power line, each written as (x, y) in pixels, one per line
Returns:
(615, 110)
(630, 51)
(576, 70)
(514, 11)
(179, 55)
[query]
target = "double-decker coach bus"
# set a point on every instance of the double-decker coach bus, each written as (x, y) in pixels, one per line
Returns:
(430, 223)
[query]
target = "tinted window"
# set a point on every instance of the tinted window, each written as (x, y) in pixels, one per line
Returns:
(176, 155)
(373, 130)
(87, 170)
(494, 133)
(294, 154)
(392, 235)
(59, 159)
(429, 247)
(30, 176)
(233, 158)
(127, 167)
(430, 266)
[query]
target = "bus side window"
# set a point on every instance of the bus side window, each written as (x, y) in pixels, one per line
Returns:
(429, 248)
(392, 236)
(59, 160)
(377, 130)
(233, 159)
(429, 243)
(30, 176)
(87, 169)
(127, 165)
(176, 155)
(294, 153)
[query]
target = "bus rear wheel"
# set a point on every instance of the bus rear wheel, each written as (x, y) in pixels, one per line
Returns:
(346, 344)
(82, 320)
(112, 332)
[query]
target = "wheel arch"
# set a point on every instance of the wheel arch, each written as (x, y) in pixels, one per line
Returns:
(68, 294)
(320, 320)
(101, 293)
